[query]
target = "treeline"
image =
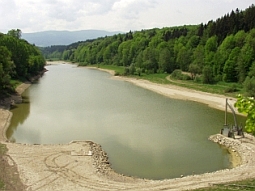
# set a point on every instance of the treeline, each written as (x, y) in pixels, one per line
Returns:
(230, 23)
(53, 52)
(18, 60)
(221, 50)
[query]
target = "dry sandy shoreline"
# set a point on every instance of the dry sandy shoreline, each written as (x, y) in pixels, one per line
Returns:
(172, 91)
(83, 165)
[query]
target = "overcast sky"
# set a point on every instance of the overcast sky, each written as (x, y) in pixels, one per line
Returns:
(110, 15)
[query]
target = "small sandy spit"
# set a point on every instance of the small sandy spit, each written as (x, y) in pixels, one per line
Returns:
(83, 165)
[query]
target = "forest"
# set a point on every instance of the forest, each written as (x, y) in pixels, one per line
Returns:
(19, 60)
(221, 50)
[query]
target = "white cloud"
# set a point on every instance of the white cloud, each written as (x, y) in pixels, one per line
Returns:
(130, 9)
(117, 15)
(7, 12)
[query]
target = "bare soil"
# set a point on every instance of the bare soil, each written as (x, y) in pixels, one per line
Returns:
(83, 165)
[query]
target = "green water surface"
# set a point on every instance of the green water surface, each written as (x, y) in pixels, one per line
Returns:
(145, 134)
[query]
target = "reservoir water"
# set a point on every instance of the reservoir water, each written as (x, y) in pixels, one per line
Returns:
(145, 134)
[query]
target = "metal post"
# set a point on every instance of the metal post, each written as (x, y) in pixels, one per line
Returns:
(226, 110)
(233, 112)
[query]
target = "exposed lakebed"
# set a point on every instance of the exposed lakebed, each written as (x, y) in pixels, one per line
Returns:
(144, 134)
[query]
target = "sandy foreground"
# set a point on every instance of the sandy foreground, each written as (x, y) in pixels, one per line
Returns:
(83, 165)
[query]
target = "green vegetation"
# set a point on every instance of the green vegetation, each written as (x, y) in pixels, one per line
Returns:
(119, 70)
(156, 78)
(228, 89)
(242, 185)
(1, 185)
(3, 150)
(19, 60)
(246, 105)
(217, 57)
(224, 88)
(218, 52)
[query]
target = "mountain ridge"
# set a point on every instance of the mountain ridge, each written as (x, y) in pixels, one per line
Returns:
(64, 37)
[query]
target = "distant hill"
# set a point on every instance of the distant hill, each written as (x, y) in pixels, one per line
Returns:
(48, 38)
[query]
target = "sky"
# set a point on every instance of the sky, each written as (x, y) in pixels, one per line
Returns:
(111, 15)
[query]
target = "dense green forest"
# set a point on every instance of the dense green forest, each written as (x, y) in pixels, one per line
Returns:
(18, 60)
(221, 50)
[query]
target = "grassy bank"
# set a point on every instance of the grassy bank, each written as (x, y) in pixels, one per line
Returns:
(242, 185)
(119, 70)
(9, 176)
(228, 89)
(3, 150)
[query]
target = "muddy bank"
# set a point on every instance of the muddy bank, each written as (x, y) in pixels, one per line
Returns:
(9, 173)
(5, 105)
(5, 118)
(16, 98)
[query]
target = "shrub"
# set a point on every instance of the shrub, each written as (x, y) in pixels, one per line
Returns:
(232, 88)
(249, 86)
(116, 74)
(177, 74)
(246, 105)
(207, 75)
(126, 71)
(138, 71)
(198, 79)
(185, 77)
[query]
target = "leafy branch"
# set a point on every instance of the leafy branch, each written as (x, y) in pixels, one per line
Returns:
(246, 105)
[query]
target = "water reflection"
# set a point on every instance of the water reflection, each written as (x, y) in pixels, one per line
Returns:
(144, 134)
(21, 114)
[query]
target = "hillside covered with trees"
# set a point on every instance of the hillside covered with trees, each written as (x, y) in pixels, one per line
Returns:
(221, 50)
(19, 60)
